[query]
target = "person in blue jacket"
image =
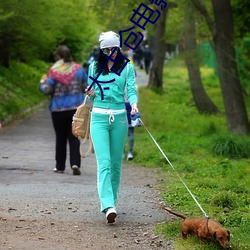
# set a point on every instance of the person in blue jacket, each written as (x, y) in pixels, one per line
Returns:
(109, 124)
(65, 83)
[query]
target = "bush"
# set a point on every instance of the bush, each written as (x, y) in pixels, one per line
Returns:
(224, 200)
(231, 146)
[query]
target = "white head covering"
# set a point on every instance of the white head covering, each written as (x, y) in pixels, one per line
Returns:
(109, 39)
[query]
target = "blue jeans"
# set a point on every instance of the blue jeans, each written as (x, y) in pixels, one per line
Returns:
(108, 139)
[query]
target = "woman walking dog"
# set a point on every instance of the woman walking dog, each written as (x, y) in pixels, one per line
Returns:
(109, 123)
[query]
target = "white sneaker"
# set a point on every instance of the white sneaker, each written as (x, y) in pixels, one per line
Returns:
(130, 156)
(111, 214)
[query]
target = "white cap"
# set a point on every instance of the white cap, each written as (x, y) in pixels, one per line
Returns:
(109, 39)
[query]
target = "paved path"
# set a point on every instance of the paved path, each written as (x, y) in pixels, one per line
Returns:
(26, 163)
(27, 160)
(31, 191)
(141, 78)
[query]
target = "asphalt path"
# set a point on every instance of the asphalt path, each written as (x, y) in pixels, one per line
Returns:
(31, 190)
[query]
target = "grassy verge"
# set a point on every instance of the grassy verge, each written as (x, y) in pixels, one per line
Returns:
(19, 88)
(213, 164)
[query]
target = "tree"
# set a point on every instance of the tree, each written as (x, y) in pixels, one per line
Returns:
(159, 48)
(23, 33)
(223, 38)
(28, 33)
(201, 99)
(114, 14)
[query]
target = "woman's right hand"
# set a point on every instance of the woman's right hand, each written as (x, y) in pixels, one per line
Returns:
(90, 92)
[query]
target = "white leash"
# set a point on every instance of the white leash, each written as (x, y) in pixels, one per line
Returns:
(174, 169)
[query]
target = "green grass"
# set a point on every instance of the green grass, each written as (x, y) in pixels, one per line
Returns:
(19, 88)
(214, 164)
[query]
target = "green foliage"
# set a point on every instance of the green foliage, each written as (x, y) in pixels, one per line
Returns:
(118, 12)
(224, 200)
(241, 17)
(231, 146)
(29, 33)
(176, 18)
(243, 59)
(175, 25)
(242, 35)
(19, 87)
(219, 183)
(170, 230)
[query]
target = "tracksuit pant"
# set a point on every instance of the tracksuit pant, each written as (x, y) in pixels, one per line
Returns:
(108, 133)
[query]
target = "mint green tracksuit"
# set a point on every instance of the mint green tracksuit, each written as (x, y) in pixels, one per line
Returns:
(109, 131)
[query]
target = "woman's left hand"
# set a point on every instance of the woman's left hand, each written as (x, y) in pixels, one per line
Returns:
(43, 79)
(134, 109)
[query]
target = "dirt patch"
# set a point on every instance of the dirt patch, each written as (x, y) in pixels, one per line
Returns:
(51, 234)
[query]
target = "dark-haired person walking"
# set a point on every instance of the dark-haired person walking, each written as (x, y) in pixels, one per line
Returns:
(147, 54)
(65, 84)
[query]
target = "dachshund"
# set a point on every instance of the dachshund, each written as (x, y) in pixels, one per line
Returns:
(204, 229)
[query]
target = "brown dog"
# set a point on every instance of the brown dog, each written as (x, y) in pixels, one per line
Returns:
(204, 229)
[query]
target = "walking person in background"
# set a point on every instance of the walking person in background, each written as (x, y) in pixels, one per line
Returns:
(109, 125)
(128, 109)
(138, 53)
(131, 129)
(65, 84)
(147, 54)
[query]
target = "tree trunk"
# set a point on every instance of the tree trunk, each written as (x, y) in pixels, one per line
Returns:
(201, 99)
(235, 109)
(159, 51)
(223, 37)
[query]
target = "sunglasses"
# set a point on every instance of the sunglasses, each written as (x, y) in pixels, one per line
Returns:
(106, 51)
